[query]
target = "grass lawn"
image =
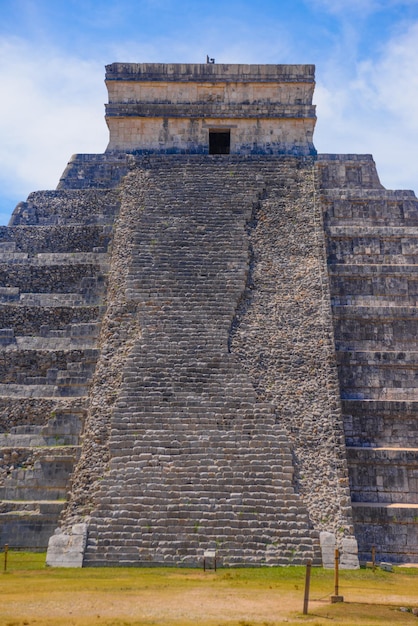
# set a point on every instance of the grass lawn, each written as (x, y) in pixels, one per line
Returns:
(32, 594)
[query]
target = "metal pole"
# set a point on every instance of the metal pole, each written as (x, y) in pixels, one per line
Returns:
(6, 550)
(307, 584)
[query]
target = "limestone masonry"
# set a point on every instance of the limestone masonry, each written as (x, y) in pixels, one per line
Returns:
(196, 109)
(209, 338)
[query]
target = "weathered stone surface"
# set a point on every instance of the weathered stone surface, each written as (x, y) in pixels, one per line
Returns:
(328, 546)
(371, 243)
(349, 553)
(53, 266)
(200, 456)
(175, 108)
(67, 550)
(175, 316)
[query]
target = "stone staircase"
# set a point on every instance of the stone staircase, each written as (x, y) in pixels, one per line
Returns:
(53, 266)
(372, 240)
(200, 455)
(186, 364)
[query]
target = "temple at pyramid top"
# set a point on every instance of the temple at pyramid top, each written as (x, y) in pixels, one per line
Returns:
(210, 108)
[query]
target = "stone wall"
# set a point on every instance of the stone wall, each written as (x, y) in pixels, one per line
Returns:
(172, 108)
(159, 91)
(205, 448)
(53, 266)
(56, 287)
(372, 239)
(169, 135)
(283, 336)
(198, 353)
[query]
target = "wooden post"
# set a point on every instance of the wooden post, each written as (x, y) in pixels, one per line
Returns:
(336, 597)
(336, 566)
(307, 585)
(6, 550)
(373, 558)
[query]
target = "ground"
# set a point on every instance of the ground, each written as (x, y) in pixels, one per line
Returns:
(33, 595)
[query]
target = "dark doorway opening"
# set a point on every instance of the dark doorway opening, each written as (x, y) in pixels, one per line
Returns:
(219, 141)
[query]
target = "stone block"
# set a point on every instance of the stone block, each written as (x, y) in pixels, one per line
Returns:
(328, 545)
(67, 549)
(349, 553)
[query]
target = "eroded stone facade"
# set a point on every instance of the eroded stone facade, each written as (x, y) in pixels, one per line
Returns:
(176, 108)
(211, 329)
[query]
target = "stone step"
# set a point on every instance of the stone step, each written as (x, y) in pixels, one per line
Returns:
(389, 333)
(379, 301)
(22, 412)
(367, 201)
(391, 528)
(373, 378)
(85, 298)
(28, 525)
(60, 278)
(39, 473)
(391, 394)
(188, 434)
(74, 337)
(54, 344)
(31, 507)
(385, 371)
(392, 215)
(67, 206)
(185, 542)
(383, 474)
(341, 256)
(21, 366)
(371, 422)
(61, 428)
(339, 196)
(369, 270)
(386, 343)
(401, 507)
(61, 239)
(26, 391)
(14, 257)
(97, 257)
(364, 234)
(41, 321)
(94, 171)
(378, 358)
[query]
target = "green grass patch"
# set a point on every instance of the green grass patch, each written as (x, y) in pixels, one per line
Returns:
(17, 560)
(36, 595)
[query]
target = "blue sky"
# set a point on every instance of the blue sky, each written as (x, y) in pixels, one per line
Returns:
(53, 53)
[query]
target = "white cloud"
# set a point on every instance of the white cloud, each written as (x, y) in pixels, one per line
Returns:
(52, 103)
(393, 83)
(51, 107)
(376, 111)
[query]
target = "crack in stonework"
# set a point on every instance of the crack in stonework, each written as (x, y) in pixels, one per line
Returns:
(245, 300)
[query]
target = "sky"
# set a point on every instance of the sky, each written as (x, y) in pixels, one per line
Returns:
(53, 53)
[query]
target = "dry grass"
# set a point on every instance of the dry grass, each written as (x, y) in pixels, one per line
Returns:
(32, 595)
